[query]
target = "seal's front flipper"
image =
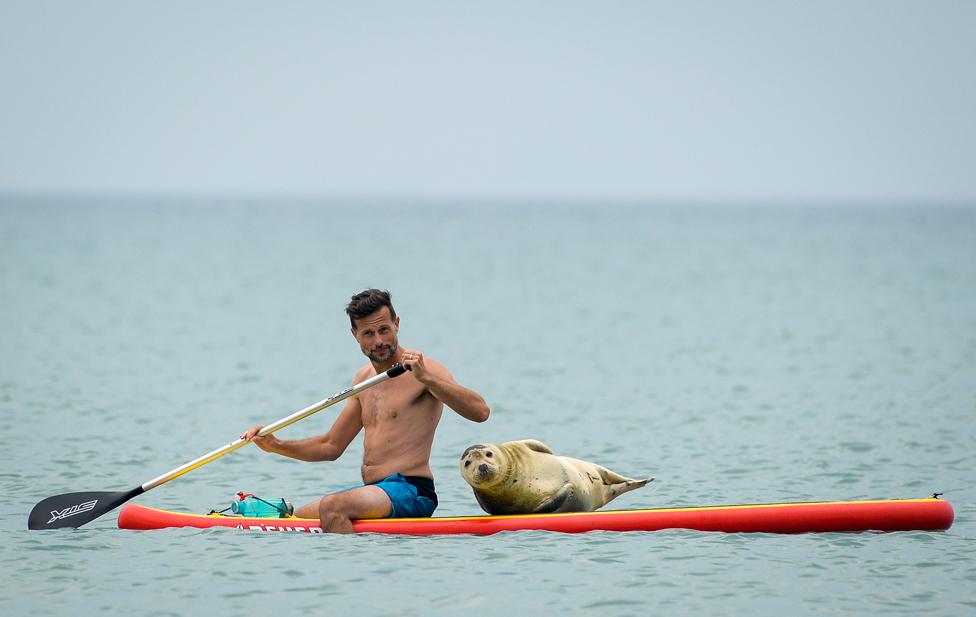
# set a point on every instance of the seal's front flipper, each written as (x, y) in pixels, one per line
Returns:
(564, 500)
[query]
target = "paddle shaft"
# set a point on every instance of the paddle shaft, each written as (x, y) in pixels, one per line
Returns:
(396, 370)
(76, 509)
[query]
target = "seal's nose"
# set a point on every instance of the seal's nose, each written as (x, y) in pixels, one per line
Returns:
(482, 468)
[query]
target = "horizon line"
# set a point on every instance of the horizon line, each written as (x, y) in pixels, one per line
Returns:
(245, 198)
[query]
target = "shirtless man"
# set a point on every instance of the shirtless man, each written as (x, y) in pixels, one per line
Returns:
(399, 415)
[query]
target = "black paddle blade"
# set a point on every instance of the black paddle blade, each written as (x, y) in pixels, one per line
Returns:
(76, 509)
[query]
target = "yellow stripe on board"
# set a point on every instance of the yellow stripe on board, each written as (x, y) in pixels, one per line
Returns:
(503, 517)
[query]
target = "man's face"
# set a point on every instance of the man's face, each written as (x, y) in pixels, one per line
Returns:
(377, 335)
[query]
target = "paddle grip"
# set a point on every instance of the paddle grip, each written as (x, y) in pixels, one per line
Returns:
(396, 370)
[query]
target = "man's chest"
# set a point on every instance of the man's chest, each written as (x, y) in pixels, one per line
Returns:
(389, 402)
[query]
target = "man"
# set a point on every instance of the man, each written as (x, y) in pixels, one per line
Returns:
(399, 416)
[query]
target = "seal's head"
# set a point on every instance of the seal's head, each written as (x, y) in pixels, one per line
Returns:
(481, 465)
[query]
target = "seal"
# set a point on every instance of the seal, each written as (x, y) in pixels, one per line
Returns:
(525, 477)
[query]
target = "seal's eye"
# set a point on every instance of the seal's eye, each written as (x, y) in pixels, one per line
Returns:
(467, 463)
(488, 454)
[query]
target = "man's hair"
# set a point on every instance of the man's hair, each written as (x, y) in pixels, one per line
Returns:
(365, 303)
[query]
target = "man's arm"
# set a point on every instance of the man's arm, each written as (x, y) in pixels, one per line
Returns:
(327, 447)
(440, 383)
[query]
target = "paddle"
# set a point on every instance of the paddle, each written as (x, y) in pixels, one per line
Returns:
(76, 509)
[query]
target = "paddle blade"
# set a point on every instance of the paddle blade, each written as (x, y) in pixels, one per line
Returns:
(76, 509)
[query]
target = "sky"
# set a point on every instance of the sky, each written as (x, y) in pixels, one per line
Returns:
(617, 100)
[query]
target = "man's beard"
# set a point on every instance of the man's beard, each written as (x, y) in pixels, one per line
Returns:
(382, 353)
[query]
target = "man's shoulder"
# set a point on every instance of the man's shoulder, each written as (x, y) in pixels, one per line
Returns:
(364, 373)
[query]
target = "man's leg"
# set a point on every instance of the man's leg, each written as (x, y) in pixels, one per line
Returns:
(338, 510)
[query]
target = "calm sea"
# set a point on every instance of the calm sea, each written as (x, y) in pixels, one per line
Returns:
(739, 353)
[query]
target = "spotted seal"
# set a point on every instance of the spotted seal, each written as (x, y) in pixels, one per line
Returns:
(525, 477)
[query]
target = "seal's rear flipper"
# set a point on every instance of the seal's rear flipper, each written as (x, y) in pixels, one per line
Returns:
(612, 477)
(619, 488)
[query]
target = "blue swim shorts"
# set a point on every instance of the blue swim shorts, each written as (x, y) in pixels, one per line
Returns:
(412, 496)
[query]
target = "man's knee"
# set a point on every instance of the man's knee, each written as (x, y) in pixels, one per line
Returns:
(334, 514)
(332, 505)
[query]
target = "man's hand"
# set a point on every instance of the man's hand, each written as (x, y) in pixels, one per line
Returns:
(266, 443)
(414, 361)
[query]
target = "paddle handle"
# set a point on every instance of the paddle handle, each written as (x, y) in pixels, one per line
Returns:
(395, 371)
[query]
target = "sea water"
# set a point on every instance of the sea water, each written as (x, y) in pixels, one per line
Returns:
(740, 353)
